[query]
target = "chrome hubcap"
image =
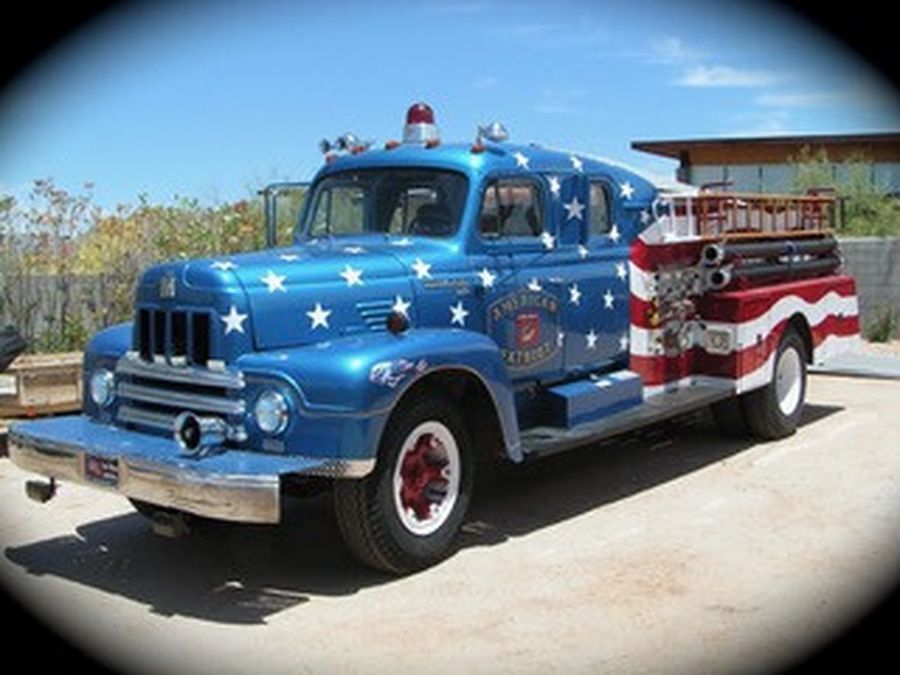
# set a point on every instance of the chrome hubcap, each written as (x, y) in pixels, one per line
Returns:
(789, 381)
(426, 478)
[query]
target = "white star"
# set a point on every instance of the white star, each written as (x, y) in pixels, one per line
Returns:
(583, 251)
(626, 190)
(535, 285)
(354, 250)
(274, 282)
(487, 278)
(623, 343)
(560, 337)
(591, 339)
(548, 240)
(223, 265)
(608, 299)
(459, 314)
(574, 294)
(577, 164)
(621, 271)
(406, 241)
(318, 317)
(289, 257)
(401, 306)
(554, 185)
(352, 276)
(574, 209)
(614, 234)
(422, 269)
(234, 320)
(521, 161)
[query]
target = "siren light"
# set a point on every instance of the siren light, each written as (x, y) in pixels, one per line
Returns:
(420, 127)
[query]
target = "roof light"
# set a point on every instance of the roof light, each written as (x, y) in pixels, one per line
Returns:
(420, 126)
(494, 132)
(420, 113)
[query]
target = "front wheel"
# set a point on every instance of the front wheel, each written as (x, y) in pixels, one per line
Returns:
(774, 411)
(405, 514)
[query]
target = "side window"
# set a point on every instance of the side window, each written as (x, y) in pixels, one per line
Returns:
(340, 210)
(599, 209)
(511, 208)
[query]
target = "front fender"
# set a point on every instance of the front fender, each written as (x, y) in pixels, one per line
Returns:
(361, 378)
(103, 351)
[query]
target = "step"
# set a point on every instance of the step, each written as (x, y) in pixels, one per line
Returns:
(573, 403)
(545, 440)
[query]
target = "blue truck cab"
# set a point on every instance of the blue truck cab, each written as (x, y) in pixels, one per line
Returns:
(440, 306)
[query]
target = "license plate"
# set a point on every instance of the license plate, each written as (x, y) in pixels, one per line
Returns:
(101, 470)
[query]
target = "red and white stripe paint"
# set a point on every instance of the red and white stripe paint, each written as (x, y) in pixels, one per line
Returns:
(748, 323)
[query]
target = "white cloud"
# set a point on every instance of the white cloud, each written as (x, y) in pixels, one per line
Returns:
(549, 108)
(726, 76)
(798, 100)
(671, 50)
(764, 123)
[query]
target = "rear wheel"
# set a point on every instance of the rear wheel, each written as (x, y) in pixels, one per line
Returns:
(405, 514)
(774, 411)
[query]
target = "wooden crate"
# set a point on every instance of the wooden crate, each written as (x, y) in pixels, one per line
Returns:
(41, 384)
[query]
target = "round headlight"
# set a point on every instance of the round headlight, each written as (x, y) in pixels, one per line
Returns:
(103, 387)
(271, 412)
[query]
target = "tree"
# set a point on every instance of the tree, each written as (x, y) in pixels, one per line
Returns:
(866, 207)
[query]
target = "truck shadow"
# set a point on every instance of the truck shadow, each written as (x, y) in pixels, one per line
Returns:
(243, 574)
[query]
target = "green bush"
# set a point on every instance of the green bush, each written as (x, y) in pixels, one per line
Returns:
(53, 241)
(883, 326)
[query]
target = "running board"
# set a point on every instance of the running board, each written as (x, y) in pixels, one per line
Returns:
(548, 440)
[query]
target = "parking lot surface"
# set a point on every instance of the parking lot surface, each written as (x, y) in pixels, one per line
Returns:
(673, 550)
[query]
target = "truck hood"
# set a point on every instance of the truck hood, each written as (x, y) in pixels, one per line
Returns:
(297, 295)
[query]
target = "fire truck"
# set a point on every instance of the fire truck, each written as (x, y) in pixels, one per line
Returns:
(443, 306)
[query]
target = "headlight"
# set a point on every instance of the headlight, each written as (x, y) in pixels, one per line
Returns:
(103, 387)
(271, 412)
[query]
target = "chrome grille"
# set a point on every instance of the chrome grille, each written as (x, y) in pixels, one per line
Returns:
(179, 337)
(152, 395)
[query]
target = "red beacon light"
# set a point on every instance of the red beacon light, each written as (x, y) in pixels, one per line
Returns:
(420, 128)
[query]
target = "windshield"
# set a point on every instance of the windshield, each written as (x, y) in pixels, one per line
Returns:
(422, 202)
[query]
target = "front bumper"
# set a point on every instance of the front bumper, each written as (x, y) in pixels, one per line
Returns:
(232, 485)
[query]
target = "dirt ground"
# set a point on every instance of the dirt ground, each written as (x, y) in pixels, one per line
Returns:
(676, 550)
(891, 348)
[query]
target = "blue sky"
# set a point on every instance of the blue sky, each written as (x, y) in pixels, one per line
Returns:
(211, 100)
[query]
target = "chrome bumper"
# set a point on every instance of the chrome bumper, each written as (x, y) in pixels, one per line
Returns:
(239, 498)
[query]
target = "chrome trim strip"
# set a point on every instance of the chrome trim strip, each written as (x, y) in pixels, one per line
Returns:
(131, 415)
(130, 364)
(239, 498)
(177, 399)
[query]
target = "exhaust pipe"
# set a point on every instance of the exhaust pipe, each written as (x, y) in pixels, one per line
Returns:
(196, 434)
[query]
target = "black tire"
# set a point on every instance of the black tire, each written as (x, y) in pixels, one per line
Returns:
(764, 413)
(729, 417)
(367, 510)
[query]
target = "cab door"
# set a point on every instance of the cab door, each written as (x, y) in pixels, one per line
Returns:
(521, 313)
(593, 260)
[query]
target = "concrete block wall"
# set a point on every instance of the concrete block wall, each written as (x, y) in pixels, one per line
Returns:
(875, 262)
